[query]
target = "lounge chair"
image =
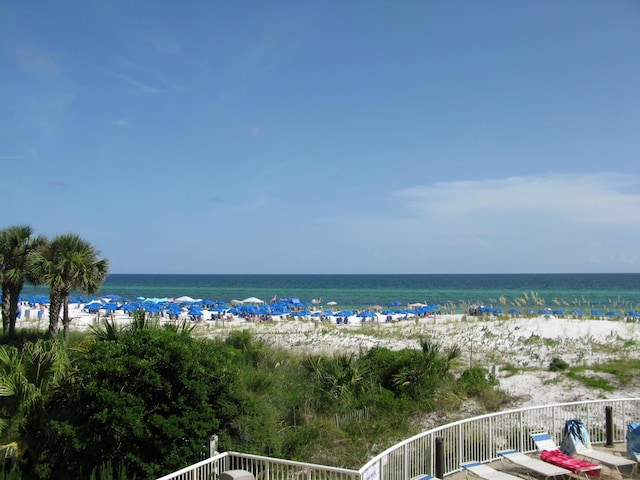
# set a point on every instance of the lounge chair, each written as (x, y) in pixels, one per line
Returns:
(623, 466)
(535, 465)
(486, 472)
(550, 453)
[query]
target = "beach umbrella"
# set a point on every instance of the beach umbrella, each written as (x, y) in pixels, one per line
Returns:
(113, 296)
(332, 303)
(252, 300)
(110, 307)
(597, 312)
(184, 299)
(343, 313)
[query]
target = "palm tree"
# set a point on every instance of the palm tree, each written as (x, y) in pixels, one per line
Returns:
(66, 263)
(26, 375)
(16, 246)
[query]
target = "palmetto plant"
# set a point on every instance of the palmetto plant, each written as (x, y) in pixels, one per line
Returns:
(26, 376)
(65, 263)
(16, 246)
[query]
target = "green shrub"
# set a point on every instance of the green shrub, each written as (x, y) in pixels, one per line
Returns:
(557, 365)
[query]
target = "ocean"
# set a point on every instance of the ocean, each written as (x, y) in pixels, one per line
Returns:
(454, 292)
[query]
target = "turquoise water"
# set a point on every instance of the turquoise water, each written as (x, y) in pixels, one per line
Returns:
(456, 291)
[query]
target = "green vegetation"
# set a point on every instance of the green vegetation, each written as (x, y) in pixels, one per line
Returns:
(624, 370)
(141, 400)
(64, 263)
(557, 365)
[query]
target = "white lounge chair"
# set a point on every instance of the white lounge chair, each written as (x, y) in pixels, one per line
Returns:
(550, 453)
(530, 464)
(624, 466)
(486, 472)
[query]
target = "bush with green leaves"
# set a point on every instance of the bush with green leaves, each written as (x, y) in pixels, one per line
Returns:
(146, 397)
(557, 365)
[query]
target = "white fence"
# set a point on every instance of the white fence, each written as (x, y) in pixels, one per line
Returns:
(474, 439)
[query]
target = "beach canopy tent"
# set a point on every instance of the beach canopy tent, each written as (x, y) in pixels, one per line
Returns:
(252, 300)
(186, 299)
(290, 301)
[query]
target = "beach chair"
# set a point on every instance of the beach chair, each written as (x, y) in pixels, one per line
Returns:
(624, 466)
(550, 453)
(576, 441)
(528, 465)
(486, 472)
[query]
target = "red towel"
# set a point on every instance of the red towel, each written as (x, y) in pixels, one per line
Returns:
(576, 465)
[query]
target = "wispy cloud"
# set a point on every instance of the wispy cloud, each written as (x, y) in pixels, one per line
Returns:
(35, 59)
(135, 86)
(596, 200)
(545, 223)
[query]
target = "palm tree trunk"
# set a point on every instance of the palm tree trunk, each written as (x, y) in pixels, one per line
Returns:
(65, 317)
(14, 295)
(6, 310)
(54, 313)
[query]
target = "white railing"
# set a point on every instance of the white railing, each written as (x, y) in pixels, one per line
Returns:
(474, 439)
(262, 468)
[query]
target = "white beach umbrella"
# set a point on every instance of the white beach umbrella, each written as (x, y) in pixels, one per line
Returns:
(184, 299)
(252, 300)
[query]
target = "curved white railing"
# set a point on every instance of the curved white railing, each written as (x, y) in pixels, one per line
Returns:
(474, 439)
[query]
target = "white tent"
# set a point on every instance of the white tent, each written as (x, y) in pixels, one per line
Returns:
(252, 300)
(185, 299)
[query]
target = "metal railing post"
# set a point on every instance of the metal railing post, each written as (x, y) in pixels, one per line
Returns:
(439, 470)
(608, 417)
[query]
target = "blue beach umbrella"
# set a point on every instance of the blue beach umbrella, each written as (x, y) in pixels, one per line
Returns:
(110, 307)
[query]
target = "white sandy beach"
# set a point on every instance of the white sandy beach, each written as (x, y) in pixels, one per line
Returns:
(527, 344)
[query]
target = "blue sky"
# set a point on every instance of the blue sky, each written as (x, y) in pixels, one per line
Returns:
(326, 137)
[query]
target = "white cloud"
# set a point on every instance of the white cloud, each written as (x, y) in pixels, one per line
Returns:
(550, 223)
(595, 201)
